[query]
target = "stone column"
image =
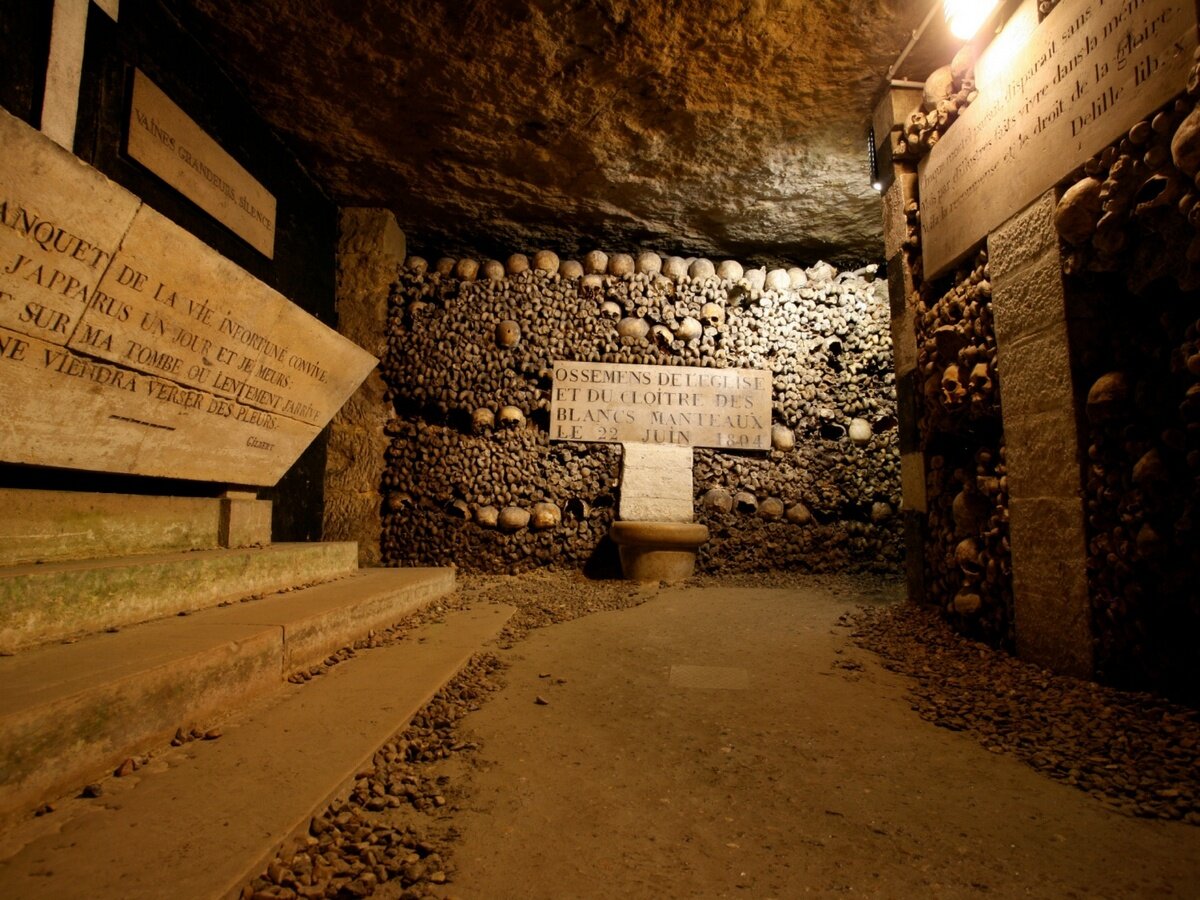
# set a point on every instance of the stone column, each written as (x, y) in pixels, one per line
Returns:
(1046, 512)
(371, 248)
(901, 189)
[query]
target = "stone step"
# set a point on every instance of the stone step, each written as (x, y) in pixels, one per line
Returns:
(53, 601)
(207, 817)
(68, 712)
(38, 526)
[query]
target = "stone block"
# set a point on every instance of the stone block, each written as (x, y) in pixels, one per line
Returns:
(1043, 455)
(245, 520)
(656, 483)
(48, 602)
(1035, 372)
(1029, 300)
(1050, 595)
(50, 526)
(1023, 238)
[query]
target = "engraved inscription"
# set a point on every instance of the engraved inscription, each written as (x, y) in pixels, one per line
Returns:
(1051, 95)
(683, 406)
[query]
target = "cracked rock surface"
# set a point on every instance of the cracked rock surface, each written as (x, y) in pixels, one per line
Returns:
(734, 128)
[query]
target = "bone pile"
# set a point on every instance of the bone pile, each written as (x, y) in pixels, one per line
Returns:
(472, 478)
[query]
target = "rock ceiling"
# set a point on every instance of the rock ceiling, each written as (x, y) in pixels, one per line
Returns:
(725, 128)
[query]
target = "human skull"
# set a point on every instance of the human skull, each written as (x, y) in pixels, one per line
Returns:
(620, 264)
(508, 333)
(783, 438)
(674, 267)
(778, 280)
(545, 515)
(771, 508)
(516, 264)
(546, 261)
(611, 308)
(416, 264)
(513, 518)
(730, 270)
(483, 419)
(953, 390)
(595, 262)
(712, 314)
(649, 263)
(689, 329)
(466, 269)
(493, 270)
(570, 268)
(445, 266)
(981, 381)
(661, 335)
(633, 326)
(701, 269)
(717, 499)
(511, 417)
(967, 556)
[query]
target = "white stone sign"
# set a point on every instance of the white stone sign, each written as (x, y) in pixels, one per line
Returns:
(127, 345)
(1050, 96)
(678, 405)
(164, 139)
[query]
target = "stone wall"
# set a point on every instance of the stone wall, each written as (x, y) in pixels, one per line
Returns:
(472, 478)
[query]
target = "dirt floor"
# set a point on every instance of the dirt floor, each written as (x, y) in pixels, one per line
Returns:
(735, 741)
(735, 738)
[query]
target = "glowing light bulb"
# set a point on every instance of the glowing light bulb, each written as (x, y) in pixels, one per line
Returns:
(966, 16)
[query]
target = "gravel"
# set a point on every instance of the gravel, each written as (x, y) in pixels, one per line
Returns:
(1135, 752)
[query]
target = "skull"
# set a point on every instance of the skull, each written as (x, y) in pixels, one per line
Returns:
(662, 336)
(981, 382)
(482, 420)
(730, 270)
(712, 314)
(511, 417)
(953, 390)
(570, 268)
(517, 263)
(508, 333)
(595, 262)
(620, 264)
(493, 270)
(466, 269)
(633, 327)
(649, 263)
(417, 264)
(674, 267)
(967, 557)
(545, 515)
(546, 261)
(701, 269)
(688, 329)
(611, 308)
(778, 280)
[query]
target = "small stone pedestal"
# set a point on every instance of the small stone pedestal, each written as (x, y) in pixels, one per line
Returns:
(655, 534)
(658, 551)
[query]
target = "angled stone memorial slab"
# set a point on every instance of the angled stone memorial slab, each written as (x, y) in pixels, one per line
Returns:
(128, 345)
(1050, 96)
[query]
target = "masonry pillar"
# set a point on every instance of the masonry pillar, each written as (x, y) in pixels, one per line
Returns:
(371, 248)
(900, 188)
(1046, 512)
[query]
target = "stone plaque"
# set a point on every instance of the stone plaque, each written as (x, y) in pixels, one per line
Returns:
(164, 139)
(687, 407)
(1050, 96)
(127, 345)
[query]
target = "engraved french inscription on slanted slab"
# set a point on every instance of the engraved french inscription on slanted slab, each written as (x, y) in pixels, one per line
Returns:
(127, 345)
(55, 243)
(164, 139)
(680, 405)
(1050, 96)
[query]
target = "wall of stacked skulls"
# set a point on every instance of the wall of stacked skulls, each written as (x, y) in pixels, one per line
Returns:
(1129, 223)
(473, 479)
(967, 563)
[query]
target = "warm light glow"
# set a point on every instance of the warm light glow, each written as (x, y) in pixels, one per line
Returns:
(878, 186)
(965, 16)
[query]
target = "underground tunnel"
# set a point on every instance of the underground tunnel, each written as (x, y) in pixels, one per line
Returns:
(598, 448)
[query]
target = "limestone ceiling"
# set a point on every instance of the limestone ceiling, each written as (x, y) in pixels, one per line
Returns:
(726, 128)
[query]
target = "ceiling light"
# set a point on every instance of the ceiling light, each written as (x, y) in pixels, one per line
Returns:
(966, 16)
